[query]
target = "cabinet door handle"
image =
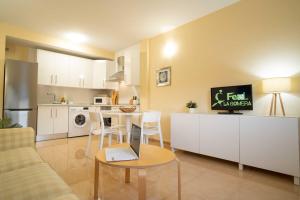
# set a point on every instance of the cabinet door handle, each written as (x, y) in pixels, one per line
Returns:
(56, 79)
(56, 112)
(51, 113)
(83, 83)
(79, 82)
(51, 78)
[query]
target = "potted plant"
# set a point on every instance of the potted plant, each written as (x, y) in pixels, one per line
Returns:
(191, 106)
(6, 123)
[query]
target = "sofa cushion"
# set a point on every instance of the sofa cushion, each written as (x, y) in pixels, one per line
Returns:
(11, 138)
(18, 158)
(34, 182)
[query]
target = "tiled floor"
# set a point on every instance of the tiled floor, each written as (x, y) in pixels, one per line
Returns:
(203, 178)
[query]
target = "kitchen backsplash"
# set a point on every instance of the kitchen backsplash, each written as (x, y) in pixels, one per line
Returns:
(75, 95)
(127, 92)
(83, 96)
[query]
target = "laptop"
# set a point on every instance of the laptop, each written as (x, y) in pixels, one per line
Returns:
(126, 153)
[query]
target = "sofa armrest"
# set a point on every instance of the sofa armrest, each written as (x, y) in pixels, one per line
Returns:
(12, 138)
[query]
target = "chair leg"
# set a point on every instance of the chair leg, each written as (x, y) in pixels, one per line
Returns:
(101, 137)
(146, 139)
(120, 137)
(161, 138)
(142, 137)
(109, 139)
(87, 150)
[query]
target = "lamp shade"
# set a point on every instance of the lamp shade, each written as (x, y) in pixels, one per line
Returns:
(273, 85)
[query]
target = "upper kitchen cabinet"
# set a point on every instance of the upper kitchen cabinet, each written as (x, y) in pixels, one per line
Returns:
(80, 72)
(131, 64)
(71, 71)
(110, 70)
(52, 68)
(99, 73)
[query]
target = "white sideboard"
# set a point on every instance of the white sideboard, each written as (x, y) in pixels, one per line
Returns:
(189, 138)
(270, 143)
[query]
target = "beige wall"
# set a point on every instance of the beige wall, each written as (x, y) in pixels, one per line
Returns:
(240, 44)
(42, 40)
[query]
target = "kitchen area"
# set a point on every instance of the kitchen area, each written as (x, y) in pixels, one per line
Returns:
(59, 89)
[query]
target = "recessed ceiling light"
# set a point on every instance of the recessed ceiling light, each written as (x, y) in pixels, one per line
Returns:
(76, 37)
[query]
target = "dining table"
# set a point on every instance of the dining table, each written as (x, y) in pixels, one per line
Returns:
(128, 119)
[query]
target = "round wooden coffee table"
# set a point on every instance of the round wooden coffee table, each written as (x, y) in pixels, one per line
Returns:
(150, 156)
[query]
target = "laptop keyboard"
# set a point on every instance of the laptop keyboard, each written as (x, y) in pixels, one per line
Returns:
(118, 154)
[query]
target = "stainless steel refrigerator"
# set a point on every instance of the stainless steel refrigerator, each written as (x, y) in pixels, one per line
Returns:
(20, 92)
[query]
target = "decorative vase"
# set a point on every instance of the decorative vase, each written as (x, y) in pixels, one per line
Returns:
(192, 110)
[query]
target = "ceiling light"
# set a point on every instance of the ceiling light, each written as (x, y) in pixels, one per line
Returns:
(76, 37)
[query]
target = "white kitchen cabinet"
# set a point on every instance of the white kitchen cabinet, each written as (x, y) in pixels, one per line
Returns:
(52, 68)
(102, 69)
(270, 143)
(131, 64)
(80, 72)
(99, 74)
(44, 121)
(219, 136)
(52, 120)
(185, 132)
(60, 119)
(110, 69)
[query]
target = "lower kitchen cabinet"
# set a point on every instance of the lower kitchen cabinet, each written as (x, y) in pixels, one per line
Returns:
(52, 120)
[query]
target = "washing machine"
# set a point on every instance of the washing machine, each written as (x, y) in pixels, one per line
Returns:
(79, 123)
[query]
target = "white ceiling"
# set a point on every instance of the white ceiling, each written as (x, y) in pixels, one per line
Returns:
(108, 24)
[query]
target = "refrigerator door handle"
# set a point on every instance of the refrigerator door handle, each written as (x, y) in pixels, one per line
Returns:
(20, 109)
(51, 113)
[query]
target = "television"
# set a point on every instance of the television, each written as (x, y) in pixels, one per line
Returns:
(232, 98)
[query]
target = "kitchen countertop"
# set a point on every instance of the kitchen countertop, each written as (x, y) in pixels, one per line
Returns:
(86, 105)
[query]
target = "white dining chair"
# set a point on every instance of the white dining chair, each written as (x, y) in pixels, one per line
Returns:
(150, 125)
(98, 128)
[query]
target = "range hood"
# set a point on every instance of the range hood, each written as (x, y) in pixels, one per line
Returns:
(119, 75)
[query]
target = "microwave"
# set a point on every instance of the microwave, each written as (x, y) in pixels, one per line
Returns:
(101, 100)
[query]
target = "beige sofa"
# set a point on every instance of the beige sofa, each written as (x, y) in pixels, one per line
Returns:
(23, 174)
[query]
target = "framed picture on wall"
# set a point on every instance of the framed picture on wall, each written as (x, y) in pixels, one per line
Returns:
(163, 76)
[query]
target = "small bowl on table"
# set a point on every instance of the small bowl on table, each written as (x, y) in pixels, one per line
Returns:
(127, 109)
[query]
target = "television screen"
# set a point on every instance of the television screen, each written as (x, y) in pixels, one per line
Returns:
(232, 98)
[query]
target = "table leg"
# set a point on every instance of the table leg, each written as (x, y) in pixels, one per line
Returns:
(142, 184)
(96, 179)
(127, 175)
(179, 178)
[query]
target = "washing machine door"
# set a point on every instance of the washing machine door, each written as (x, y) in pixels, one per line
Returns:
(80, 120)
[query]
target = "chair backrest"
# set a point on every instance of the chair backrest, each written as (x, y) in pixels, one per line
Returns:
(96, 120)
(151, 117)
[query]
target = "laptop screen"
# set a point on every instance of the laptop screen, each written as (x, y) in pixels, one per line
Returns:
(135, 139)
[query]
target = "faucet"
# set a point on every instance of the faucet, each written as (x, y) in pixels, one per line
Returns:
(52, 94)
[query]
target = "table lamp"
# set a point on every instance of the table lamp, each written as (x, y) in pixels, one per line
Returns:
(276, 86)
